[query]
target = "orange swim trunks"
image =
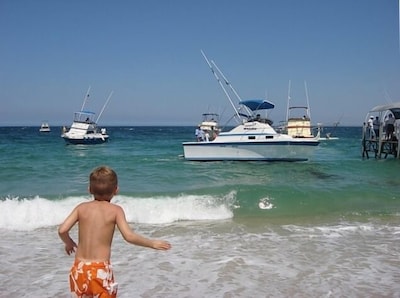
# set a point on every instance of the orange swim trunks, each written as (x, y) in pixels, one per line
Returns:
(92, 279)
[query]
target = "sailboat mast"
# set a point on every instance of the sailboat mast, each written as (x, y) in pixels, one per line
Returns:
(85, 99)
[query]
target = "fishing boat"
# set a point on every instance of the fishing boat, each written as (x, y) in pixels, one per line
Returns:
(381, 131)
(209, 127)
(84, 129)
(44, 127)
(298, 119)
(253, 138)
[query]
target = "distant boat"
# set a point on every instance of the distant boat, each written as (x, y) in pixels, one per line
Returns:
(84, 129)
(298, 119)
(45, 127)
(329, 135)
(209, 126)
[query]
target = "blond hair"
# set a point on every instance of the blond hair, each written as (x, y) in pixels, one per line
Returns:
(103, 182)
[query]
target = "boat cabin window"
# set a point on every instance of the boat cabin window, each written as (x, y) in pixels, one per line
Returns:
(269, 137)
(252, 137)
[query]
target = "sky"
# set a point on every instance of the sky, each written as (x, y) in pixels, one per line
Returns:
(148, 53)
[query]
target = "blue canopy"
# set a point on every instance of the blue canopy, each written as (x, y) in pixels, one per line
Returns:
(257, 104)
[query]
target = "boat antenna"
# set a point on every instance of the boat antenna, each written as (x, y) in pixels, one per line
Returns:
(101, 112)
(86, 98)
(308, 104)
(220, 83)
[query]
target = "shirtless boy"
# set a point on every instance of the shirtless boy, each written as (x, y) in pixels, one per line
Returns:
(91, 273)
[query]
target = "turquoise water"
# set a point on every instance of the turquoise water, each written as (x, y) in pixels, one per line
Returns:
(326, 227)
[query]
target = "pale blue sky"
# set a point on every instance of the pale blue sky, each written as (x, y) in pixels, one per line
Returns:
(148, 53)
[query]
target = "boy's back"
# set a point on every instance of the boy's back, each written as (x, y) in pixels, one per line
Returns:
(97, 221)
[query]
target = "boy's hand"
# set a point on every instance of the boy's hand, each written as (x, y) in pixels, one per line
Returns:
(161, 245)
(70, 247)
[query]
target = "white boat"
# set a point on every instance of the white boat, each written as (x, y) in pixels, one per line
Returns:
(253, 139)
(329, 135)
(210, 126)
(298, 119)
(84, 129)
(45, 127)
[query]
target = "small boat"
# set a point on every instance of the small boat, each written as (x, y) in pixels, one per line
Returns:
(253, 139)
(381, 131)
(84, 129)
(45, 127)
(329, 135)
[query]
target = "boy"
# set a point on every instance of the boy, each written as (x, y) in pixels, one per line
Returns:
(91, 273)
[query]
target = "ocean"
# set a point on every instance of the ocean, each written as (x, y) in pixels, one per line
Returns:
(328, 227)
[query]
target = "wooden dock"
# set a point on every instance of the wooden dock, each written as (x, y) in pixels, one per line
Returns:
(380, 148)
(381, 132)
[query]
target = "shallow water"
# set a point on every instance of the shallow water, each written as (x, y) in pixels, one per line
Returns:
(324, 228)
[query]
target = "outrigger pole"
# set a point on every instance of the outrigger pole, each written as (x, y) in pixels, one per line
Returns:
(101, 112)
(86, 98)
(288, 99)
(230, 85)
(308, 104)
(220, 83)
(226, 80)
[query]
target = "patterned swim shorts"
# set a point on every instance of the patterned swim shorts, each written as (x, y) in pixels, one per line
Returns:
(92, 279)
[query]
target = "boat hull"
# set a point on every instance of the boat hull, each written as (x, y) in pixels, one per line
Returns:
(86, 140)
(250, 151)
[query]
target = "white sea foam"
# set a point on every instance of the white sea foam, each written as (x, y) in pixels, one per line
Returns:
(29, 214)
(218, 259)
(265, 203)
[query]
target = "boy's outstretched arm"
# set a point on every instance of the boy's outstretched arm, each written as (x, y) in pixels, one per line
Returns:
(133, 238)
(63, 231)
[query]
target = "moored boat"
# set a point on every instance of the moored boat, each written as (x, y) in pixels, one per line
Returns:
(209, 127)
(45, 127)
(252, 139)
(298, 119)
(84, 129)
